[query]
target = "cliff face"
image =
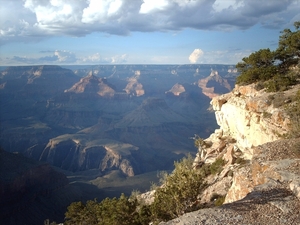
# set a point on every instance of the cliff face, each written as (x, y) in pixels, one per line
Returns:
(252, 128)
(249, 117)
(260, 176)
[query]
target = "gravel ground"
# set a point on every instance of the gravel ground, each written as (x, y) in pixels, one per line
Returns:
(276, 206)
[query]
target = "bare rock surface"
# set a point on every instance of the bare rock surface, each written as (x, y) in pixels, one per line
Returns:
(275, 206)
(265, 184)
(265, 191)
(250, 117)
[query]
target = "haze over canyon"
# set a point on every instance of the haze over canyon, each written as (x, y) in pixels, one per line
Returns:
(102, 124)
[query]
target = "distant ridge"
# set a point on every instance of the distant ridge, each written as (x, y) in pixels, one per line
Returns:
(93, 85)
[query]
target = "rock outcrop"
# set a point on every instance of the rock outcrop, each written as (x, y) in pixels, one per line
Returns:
(260, 177)
(249, 117)
(78, 152)
(94, 86)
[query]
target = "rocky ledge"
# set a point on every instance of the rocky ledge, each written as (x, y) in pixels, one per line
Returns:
(264, 191)
(260, 178)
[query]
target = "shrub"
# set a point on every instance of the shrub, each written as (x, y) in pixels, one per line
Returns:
(176, 196)
(279, 83)
(217, 199)
(179, 192)
(259, 86)
(115, 211)
(217, 166)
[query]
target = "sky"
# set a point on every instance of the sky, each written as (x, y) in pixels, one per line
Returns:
(90, 32)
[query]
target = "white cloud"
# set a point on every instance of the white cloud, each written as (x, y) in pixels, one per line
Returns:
(225, 56)
(150, 5)
(196, 54)
(100, 11)
(44, 18)
(119, 59)
(65, 56)
(98, 59)
(92, 58)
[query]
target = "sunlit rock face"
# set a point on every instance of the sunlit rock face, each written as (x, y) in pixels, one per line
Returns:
(177, 89)
(249, 117)
(251, 128)
(92, 84)
(214, 85)
(78, 152)
(134, 87)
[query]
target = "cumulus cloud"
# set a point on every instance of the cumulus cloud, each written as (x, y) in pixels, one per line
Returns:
(150, 5)
(119, 59)
(42, 18)
(65, 56)
(196, 54)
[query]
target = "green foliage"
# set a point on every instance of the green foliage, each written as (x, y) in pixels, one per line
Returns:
(279, 83)
(220, 200)
(176, 196)
(273, 66)
(217, 166)
(288, 51)
(199, 142)
(258, 66)
(115, 211)
(217, 199)
(179, 192)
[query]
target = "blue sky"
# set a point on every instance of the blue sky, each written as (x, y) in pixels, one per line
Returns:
(73, 32)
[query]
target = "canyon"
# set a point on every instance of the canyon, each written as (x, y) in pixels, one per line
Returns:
(102, 129)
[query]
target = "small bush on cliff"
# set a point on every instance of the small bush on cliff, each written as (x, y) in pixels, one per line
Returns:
(179, 192)
(272, 69)
(115, 211)
(217, 199)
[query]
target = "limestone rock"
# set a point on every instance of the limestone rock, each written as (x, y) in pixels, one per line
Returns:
(249, 117)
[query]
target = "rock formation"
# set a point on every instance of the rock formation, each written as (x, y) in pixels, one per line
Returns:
(78, 152)
(214, 85)
(260, 178)
(93, 85)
